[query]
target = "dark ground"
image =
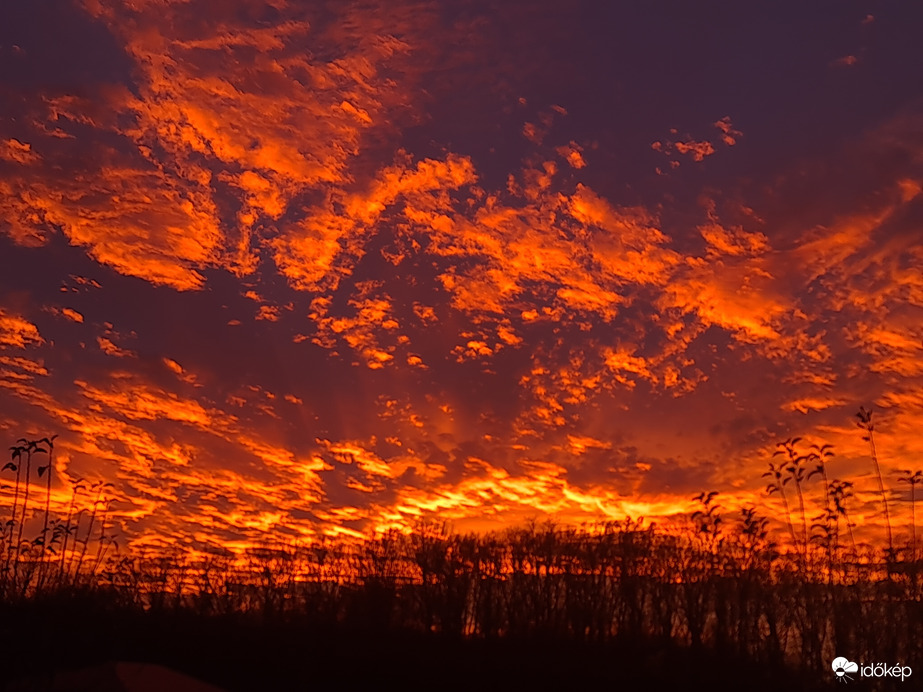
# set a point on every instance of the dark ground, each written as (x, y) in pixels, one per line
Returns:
(39, 638)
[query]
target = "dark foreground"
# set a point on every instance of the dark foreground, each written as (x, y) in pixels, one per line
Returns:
(235, 653)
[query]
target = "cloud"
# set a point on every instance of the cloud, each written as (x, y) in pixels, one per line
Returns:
(222, 95)
(18, 332)
(129, 215)
(573, 154)
(111, 349)
(728, 134)
(17, 152)
(697, 149)
(307, 254)
(72, 315)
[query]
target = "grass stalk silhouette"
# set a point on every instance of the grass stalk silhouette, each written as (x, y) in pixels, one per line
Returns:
(777, 485)
(28, 447)
(101, 545)
(865, 422)
(913, 479)
(15, 464)
(840, 492)
(796, 473)
(828, 521)
(68, 530)
(48, 469)
(45, 540)
(99, 486)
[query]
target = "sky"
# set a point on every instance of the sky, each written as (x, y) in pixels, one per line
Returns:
(282, 270)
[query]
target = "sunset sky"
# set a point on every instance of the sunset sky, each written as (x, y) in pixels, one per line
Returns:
(289, 269)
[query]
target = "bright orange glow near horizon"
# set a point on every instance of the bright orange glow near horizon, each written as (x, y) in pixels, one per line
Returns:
(283, 270)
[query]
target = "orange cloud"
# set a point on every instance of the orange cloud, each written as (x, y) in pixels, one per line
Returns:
(728, 134)
(17, 152)
(18, 332)
(573, 154)
(109, 348)
(72, 315)
(698, 150)
(741, 298)
(131, 218)
(308, 253)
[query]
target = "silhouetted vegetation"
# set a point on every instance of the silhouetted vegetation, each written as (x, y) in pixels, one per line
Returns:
(720, 584)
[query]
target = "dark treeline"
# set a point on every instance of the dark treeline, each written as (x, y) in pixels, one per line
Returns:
(736, 598)
(618, 582)
(613, 595)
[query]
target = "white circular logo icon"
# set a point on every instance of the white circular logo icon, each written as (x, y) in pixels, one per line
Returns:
(841, 666)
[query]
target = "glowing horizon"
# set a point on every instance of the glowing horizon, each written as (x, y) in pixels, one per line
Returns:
(279, 269)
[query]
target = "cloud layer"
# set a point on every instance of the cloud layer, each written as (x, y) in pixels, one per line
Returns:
(290, 271)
